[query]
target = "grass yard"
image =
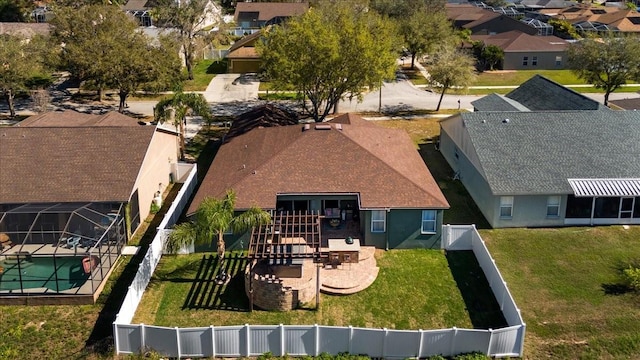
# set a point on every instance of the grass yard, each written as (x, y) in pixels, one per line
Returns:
(566, 281)
(506, 78)
(203, 72)
(414, 289)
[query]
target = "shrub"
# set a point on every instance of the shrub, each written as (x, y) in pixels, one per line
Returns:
(631, 276)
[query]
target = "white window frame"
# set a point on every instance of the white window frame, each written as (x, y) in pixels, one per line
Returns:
(553, 201)
(558, 60)
(426, 221)
(382, 221)
(506, 202)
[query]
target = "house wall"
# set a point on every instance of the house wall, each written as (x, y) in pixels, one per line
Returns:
(156, 167)
(528, 211)
(403, 230)
(546, 60)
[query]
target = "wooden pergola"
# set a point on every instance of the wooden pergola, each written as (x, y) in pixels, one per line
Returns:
(290, 235)
(290, 238)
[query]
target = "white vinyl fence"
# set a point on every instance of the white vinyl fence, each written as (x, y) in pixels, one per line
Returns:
(154, 253)
(280, 340)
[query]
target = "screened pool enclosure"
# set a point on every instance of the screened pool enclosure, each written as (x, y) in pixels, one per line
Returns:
(58, 249)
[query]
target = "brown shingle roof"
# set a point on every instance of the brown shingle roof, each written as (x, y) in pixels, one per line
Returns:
(514, 41)
(381, 165)
(268, 11)
(74, 118)
(70, 163)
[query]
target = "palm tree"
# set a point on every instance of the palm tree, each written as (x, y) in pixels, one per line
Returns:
(214, 217)
(180, 105)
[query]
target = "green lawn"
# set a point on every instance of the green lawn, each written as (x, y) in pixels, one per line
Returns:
(502, 78)
(203, 72)
(565, 281)
(414, 289)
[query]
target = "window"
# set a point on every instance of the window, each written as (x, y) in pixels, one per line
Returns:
(506, 206)
(558, 60)
(525, 61)
(428, 222)
(553, 206)
(378, 221)
(534, 61)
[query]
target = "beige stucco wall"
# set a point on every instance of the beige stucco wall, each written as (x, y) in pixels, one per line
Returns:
(162, 153)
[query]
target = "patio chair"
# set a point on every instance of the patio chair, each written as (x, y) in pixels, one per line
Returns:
(73, 242)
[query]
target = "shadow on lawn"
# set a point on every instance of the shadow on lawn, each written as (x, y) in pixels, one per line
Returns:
(463, 209)
(482, 306)
(206, 293)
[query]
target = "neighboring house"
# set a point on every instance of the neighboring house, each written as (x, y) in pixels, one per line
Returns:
(538, 94)
(74, 185)
(243, 57)
(590, 18)
(354, 173)
(527, 52)
(255, 15)
(484, 22)
(546, 157)
(141, 10)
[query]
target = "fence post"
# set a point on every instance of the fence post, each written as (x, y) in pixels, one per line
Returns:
(213, 341)
(453, 341)
(317, 337)
(384, 343)
(115, 334)
(524, 329)
(178, 342)
(142, 341)
(490, 342)
(282, 348)
(248, 336)
(419, 344)
(350, 339)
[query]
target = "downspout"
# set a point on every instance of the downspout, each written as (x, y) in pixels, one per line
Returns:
(386, 230)
(593, 209)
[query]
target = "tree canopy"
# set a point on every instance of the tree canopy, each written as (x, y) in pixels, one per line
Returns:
(425, 31)
(330, 53)
(607, 63)
(103, 48)
(20, 61)
(189, 19)
(452, 67)
(177, 107)
(212, 219)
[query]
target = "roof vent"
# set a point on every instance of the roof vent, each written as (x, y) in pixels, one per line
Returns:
(505, 121)
(483, 121)
(338, 126)
(323, 127)
(306, 127)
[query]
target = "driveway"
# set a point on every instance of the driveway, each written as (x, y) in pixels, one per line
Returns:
(232, 87)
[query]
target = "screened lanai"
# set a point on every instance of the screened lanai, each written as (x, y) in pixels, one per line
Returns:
(58, 248)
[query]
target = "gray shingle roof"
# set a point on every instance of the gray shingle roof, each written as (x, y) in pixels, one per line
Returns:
(540, 93)
(536, 152)
(496, 102)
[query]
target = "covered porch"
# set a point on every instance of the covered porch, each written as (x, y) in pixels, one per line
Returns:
(603, 202)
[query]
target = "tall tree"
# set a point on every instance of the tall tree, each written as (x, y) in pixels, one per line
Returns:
(329, 53)
(425, 31)
(212, 219)
(177, 107)
(607, 63)
(452, 67)
(15, 10)
(104, 49)
(189, 18)
(20, 60)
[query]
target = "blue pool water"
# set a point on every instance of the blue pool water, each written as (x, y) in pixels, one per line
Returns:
(42, 272)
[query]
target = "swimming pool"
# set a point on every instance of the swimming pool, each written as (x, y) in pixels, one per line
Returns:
(43, 272)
